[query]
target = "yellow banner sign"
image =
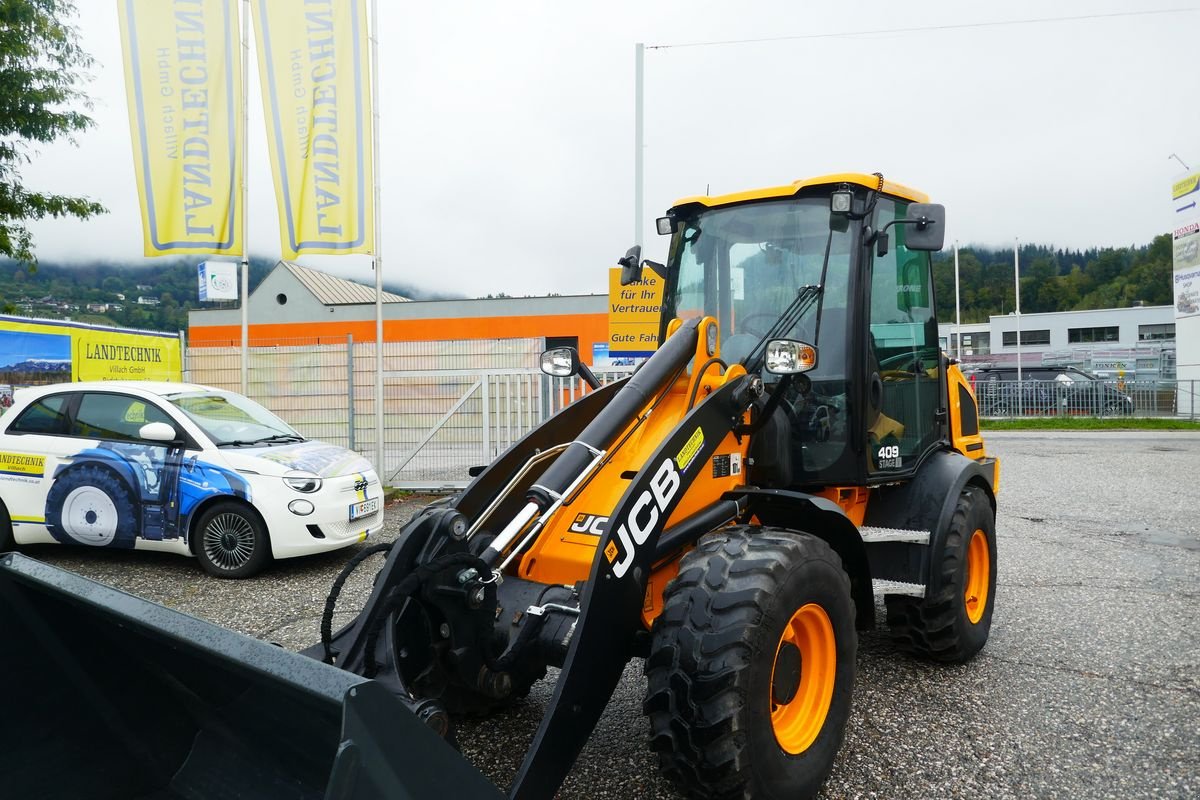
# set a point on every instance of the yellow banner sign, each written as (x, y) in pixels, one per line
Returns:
(22, 464)
(1185, 187)
(116, 356)
(633, 313)
(315, 78)
(184, 85)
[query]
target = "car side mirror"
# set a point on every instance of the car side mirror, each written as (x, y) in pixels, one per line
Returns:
(158, 432)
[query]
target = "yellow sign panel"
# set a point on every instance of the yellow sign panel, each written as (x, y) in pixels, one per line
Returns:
(690, 448)
(22, 464)
(633, 313)
(1185, 187)
(184, 86)
(316, 92)
(116, 356)
(80, 352)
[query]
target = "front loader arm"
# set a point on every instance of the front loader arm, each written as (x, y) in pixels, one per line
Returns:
(612, 598)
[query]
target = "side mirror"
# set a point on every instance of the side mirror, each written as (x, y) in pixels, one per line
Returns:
(790, 357)
(665, 225)
(563, 362)
(926, 227)
(158, 432)
(631, 265)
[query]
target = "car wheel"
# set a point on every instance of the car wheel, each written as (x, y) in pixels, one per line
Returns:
(1116, 408)
(7, 541)
(91, 505)
(231, 541)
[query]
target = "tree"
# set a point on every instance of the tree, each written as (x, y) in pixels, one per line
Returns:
(42, 68)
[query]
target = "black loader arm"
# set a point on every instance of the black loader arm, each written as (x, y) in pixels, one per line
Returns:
(612, 598)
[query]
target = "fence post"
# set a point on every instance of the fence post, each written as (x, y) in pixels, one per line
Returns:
(350, 391)
(487, 437)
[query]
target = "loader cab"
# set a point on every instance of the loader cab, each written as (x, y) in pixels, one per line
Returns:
(869, 410)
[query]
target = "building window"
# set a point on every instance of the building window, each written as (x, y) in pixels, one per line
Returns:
(1027, 337)
(1150, 332)
(1110, 333)
(976, 344)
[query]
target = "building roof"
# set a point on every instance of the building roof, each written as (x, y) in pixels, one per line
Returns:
(333, 291)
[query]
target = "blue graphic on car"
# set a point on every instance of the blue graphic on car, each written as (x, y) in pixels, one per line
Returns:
(115, 493)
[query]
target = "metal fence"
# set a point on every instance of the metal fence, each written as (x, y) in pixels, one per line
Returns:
(447, 406)
(452, 405)
(1111, 398)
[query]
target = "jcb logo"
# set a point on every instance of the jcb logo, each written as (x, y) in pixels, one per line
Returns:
(648, 510)
(588, 523)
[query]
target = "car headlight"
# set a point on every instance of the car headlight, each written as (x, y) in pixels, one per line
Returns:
(303, 482)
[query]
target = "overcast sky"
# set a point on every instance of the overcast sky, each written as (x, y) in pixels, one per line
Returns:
(507, 128)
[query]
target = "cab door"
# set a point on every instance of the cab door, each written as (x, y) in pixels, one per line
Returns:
(904, 367)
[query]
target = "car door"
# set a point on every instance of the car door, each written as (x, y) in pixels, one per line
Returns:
(36, 444)
(110, 492)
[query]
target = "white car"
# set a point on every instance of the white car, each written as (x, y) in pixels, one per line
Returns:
(177, 468)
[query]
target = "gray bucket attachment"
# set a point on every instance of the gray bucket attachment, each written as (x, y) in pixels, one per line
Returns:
(108, 696)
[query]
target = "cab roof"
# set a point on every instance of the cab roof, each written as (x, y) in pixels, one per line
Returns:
(789, 189)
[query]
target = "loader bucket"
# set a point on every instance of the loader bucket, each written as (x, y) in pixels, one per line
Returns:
(105, 695)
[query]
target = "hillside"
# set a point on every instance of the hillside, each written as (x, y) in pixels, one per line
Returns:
(1051, 280)
(109, 294)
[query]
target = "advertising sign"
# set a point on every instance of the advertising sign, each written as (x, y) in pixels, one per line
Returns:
(316, 92)
(35, 352)
(112, 355)
(218, 281)
(1186, 246)
(633, 313)
(183, 83)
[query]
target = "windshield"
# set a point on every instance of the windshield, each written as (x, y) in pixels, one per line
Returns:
(744, 264)
(231, 420)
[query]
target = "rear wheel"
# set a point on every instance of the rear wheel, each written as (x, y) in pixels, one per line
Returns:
(7, 541)
(954, 624)
(231, 542)
(751, 667)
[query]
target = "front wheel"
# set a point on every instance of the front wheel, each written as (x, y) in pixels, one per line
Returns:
(751, 666)
(231, 542)
(953, 624)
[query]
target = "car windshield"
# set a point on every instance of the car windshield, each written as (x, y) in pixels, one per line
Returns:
(231, 420)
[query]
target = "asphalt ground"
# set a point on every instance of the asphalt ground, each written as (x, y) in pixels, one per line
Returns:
(1088, 688)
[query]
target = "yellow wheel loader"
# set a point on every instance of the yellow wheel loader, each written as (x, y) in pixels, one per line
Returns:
(797, 446)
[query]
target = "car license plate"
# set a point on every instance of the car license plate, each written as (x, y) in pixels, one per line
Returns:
(364, 509)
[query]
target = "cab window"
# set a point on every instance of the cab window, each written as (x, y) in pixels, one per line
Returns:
(902, 351)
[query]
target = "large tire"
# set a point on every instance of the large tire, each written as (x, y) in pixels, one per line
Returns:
(953, 625)
(91, 505)
(231, 541)
(749, 603)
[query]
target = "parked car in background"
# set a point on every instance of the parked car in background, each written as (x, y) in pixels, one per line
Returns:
(1047, 390)
(179, 468)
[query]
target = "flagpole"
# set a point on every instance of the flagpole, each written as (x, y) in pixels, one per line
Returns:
(1017, 281)
(374, 42)
(245, 198)
(957, 309)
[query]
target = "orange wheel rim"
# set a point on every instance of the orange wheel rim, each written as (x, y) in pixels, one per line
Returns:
(800, 703)
(975, 594)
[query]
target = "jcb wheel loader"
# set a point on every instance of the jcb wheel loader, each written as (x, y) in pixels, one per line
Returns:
(797, 446)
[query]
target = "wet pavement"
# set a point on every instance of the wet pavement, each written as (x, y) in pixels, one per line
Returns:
(1089, 687)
